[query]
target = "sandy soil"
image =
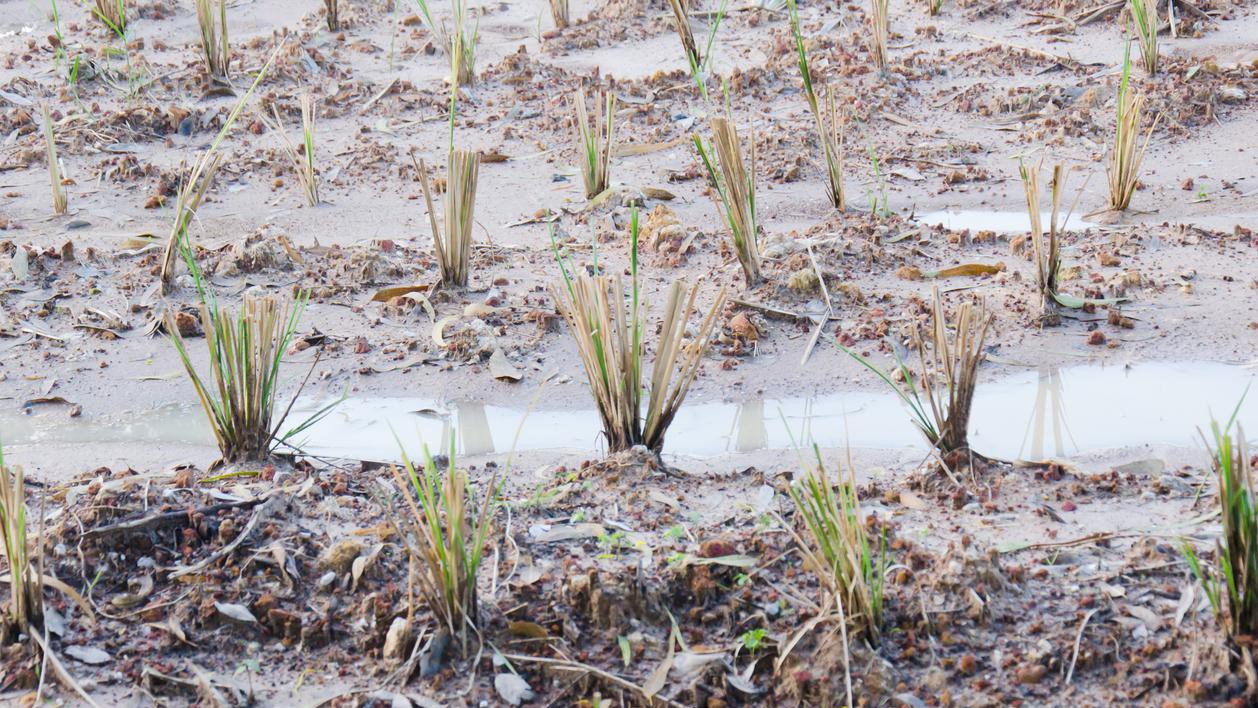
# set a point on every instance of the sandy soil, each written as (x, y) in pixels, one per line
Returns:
(974, 618)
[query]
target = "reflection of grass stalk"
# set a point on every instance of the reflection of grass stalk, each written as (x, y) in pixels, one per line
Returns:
(595, 139)
(1127, 152)
(1144, 15)
(59, 199)
(948, 375)
(559, 12)
(608, 332)
(448, 540)
(113, 13)
(199, 178)
(879, 31)
(736, 191)
(453, 245)
(829, 123)
(1232, 585)
(303, 158)
(334, 19)
(836, 548)
(25, 597)
(214, 44)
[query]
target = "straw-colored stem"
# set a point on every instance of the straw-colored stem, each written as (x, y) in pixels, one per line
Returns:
(215, 48)
(1144, 15)
(681, 23)
(836, 548)
(949, 374)
(453, 243)
(301, 157)
(25, 598)
(333, 15)
(735, 190)
(1045, 246)
(879, 31)
(113, 13)
(59, 199)
(595, 139)
(559, 12)
(608, 327)
(1122, 170)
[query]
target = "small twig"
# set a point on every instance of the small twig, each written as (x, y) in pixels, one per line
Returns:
(258, 515)
(60, 670)
(169, 517)
(1074, 656)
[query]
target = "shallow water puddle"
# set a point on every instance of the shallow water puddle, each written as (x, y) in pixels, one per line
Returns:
(1004, 222)
(1053, 412)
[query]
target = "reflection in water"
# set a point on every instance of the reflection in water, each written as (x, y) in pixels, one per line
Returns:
(1032, 414)
(749, 431)
(1049, 412)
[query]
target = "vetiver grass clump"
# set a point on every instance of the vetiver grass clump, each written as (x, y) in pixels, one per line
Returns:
(302, 159)
(1127, 152)
(459, 43)
(1232, 583)
(113, 13)
(215, 48)
(735, 187)
(609, 330)
(595, 139)
(829, 123)
(879, 31)
(246, 350)
(1144, 15)
(949, 355)
(25, 599)
(453, 243)
(447, 539)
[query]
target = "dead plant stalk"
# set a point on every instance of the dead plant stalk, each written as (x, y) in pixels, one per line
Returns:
(453, 244)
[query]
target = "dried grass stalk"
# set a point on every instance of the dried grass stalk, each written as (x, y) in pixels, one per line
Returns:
(836, 548)
(608, 329)
(595, 139)
(447, 541)
(1045, 247)
(559, 12)
(334, 20)
(301, 158)
(1144, 15)
(245, 350)
(830, 122)
(113, 13)
(26, 604)
(879, 31)
(59, 199)
(453, 245)
(1127, 152)
(950, 371)
(681, 23)
(1232, 584)
(214, 45)
(736, 191)
(459, 45)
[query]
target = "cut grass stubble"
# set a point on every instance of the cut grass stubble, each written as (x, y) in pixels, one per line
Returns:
(448, 539)
(25, 598)
(948, 373)
(1127, 152)
(735, 187)
(215, 49)
(302, 159)
(453, 244)
(830, 123)
(608, 329)
(595, 140)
